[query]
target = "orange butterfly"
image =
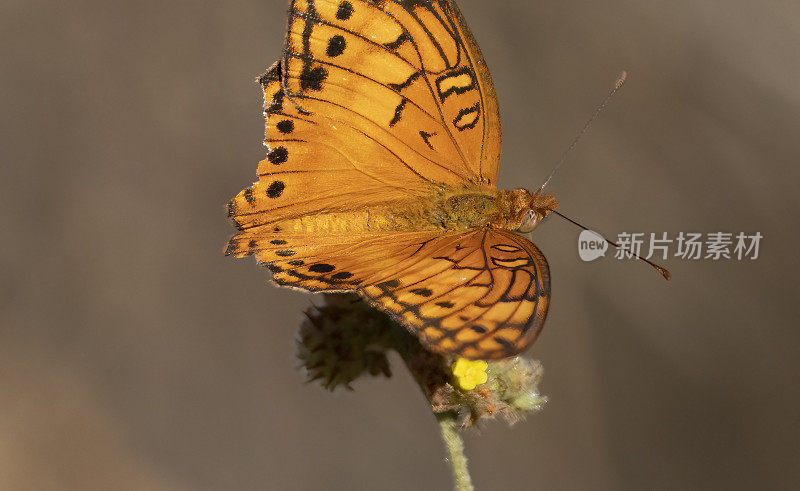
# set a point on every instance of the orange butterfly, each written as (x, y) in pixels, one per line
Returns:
(384, 144)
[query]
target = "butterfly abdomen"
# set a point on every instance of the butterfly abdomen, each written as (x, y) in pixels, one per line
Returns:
(408, 216)
(444, 210)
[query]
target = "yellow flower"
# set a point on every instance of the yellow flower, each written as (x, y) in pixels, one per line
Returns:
(469, 374)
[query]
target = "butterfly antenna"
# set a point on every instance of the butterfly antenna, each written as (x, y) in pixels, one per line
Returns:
(617, 85)
(664, 272)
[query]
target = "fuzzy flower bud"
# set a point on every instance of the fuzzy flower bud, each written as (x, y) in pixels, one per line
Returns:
(345, 338)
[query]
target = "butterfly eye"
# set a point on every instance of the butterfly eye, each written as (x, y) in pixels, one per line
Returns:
(529, 221)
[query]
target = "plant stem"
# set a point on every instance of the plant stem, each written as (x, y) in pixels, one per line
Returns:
(431, 372)
(455, 450)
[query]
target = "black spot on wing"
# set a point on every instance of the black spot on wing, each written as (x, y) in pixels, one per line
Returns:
(277, 102)
(345, 11)
(312, 78)
(248, 196)
(336, 46)
(278, 155)
(275, 189)
(321, 268)
(298, 275)
(285, 126)
(422, 292)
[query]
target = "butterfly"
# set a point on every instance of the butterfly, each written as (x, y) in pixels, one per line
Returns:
(383, 135)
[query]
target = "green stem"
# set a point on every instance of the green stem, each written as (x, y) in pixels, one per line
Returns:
(431, 373)
(455, 449)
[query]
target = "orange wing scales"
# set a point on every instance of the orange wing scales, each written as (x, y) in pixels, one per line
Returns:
(313, 164)
(409, 67)
(483, 294)
(486, 298)
(374, 104)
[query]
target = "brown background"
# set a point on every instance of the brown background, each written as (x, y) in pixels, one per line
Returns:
(133, 355)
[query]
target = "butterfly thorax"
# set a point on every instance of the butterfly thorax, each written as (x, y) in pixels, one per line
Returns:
(472, 207)
(445, 209)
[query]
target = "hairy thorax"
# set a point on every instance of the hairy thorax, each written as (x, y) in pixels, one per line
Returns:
(444, 210)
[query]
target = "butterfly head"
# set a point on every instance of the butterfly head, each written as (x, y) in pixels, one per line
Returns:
(529, 209)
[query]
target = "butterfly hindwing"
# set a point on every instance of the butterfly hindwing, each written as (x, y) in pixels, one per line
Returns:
(330, 263)
(481, 294)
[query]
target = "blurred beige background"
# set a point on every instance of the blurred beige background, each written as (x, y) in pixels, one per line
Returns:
(133, 355)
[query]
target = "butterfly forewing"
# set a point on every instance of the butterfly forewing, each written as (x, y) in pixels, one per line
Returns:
(407, 73)
(361, 110)
(313, 164)
(458, 78)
